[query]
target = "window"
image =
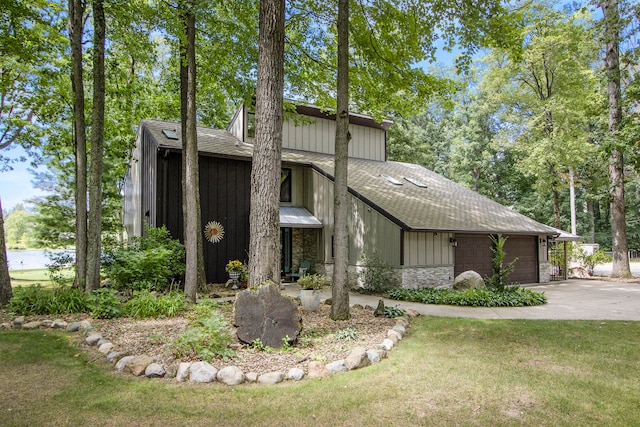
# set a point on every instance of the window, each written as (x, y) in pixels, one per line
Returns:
(285, 185)
(416, 182)
(391, 179)
(170, 134)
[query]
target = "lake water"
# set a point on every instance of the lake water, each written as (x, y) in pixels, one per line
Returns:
(31, 259)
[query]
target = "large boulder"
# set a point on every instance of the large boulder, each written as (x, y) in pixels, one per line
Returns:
(266, 315)
(468, 280)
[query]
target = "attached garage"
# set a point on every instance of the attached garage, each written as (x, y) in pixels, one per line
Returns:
(473, 252)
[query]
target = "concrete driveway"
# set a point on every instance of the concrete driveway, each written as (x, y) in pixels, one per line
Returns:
(573, 299)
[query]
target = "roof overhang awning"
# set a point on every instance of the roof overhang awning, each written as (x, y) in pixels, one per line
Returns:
(295, 217)
(565, 236)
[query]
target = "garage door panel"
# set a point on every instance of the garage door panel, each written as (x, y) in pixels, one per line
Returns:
(474, 253)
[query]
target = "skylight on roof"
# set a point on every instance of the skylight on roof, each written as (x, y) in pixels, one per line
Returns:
(416, 182)
(391, 179)
(170, 134)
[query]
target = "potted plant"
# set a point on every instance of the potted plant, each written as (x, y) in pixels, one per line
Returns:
(310, 286)
(234, 268)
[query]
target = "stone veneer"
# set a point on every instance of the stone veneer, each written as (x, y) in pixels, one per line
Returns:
(545, 272)
(409, 277)
(432, 277)
(304, 245)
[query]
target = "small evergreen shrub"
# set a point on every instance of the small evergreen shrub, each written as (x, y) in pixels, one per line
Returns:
(513, 297)
(208, 336)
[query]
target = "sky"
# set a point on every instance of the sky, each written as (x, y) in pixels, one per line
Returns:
(15, 185)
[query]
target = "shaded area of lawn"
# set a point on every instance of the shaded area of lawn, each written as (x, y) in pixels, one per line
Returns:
(446, 372)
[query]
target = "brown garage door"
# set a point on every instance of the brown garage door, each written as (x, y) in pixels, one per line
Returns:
(474, 253)
(525, 248)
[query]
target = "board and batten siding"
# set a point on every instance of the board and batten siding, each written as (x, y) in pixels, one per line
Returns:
(425, 248)
(368, 230)
(318, 135)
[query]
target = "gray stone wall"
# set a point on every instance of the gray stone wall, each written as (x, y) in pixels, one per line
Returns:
(409, 277)
(421, 277)
(545, 272)
(297, 248)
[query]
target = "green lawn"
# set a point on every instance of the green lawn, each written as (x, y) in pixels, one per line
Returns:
(446, 372)
(28, 277)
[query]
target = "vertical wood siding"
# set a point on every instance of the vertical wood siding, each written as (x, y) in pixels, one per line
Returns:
(368, 230)
(319, 136)
(236, 127)
(224, 197)
(425, 248)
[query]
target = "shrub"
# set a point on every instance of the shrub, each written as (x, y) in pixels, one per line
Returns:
(590, 261)
(514, 297)
(34, 299)
(146, 304)
(105, 304)
(67, 300)
(30, 300)
(208, 336)
(377, 275)
(149, 262)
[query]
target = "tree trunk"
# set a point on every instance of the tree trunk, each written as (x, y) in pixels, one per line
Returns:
(340, 289)
(76, 27)
(94, 237)
(264, 217)
(5, 280)
(556, 207)
(191, 199)
(616, 160)
(572, 201)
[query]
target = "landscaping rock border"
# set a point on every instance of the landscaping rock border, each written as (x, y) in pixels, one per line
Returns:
(204, 372)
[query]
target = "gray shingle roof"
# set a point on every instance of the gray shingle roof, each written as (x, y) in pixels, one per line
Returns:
(443, 205)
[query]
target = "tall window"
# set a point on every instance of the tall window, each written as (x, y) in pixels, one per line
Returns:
(285, 186)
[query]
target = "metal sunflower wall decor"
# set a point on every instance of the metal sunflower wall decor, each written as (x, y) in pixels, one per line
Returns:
(213, 231)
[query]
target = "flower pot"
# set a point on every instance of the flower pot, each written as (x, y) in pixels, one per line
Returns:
(234, 275)
(310, 299)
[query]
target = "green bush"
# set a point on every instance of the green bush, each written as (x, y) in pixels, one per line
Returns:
(105, 304)
(151, 262)
(513, 297)
(146, 304)
(34, 299)
(208, 336)
(377, 275)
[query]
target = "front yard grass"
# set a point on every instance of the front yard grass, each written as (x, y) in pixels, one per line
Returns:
(447, 371)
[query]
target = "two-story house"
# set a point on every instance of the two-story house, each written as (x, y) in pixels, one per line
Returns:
(426, 227)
